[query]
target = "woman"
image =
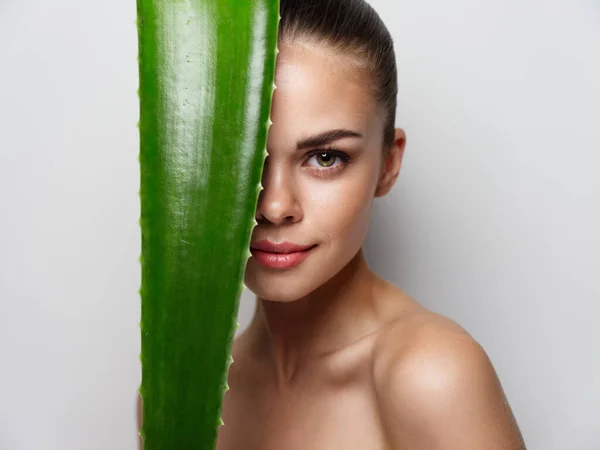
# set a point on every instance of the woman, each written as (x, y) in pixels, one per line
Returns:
(336, 357)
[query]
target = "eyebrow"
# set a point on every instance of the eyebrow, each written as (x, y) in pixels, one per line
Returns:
(325, 138)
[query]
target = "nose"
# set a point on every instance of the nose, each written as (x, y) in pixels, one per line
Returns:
(277, 202)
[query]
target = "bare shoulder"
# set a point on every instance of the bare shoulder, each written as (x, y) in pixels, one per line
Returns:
(425, 350)
(436, 387)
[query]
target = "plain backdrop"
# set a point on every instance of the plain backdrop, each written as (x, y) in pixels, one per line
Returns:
(494, 221)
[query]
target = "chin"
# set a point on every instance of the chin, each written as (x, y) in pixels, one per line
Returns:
(290, 285)
(281, 287)
(277, 297)
(287, 285)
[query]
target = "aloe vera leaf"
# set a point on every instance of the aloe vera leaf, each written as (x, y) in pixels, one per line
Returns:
(206, 72)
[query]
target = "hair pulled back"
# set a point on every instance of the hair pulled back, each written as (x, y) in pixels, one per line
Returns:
(352, 27)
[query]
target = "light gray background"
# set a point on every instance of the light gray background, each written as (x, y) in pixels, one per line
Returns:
(494, 221)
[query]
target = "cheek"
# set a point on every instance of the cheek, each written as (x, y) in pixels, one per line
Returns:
(341, 210)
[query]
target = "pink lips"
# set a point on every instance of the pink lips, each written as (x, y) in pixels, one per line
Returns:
(280, 256)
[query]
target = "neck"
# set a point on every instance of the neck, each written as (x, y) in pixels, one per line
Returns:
(293, 334)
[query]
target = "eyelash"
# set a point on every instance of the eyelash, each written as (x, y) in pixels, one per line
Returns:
(326, 171)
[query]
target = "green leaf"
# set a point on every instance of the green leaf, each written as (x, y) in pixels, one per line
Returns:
(206, 81)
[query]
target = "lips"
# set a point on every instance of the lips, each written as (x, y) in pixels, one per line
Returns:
(280, 256)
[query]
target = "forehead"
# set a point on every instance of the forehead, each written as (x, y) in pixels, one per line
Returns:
(319, 90)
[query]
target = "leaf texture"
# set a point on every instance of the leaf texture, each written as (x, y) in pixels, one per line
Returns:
(206, 71)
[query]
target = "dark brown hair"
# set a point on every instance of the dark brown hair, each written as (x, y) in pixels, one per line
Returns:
(351, 26)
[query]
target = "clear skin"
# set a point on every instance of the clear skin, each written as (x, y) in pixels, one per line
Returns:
(336, 357)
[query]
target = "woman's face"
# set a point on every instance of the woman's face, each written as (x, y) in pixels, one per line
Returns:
(320, 176)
